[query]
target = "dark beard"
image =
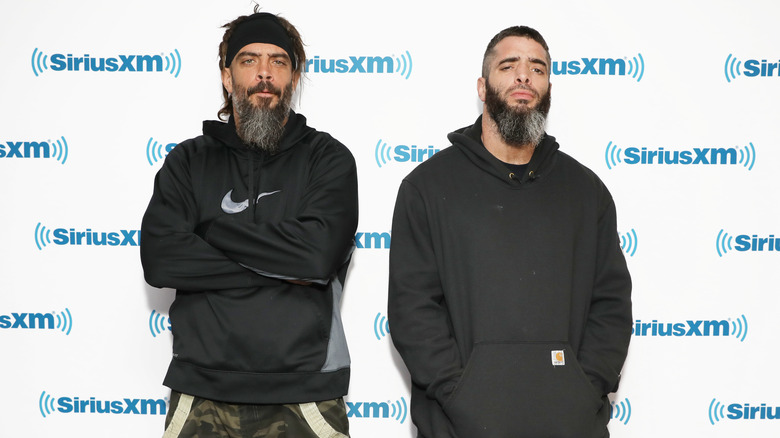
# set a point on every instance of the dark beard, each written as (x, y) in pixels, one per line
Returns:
(261, 127)
(517, 126)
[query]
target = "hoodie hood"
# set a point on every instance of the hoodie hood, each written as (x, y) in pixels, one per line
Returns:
(469, 141)
(294, 131)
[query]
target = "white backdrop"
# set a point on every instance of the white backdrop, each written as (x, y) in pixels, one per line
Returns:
(80, 331)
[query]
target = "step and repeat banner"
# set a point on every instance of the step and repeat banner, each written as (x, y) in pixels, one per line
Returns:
(672, 103)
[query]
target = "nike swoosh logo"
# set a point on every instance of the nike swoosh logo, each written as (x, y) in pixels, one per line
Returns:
(266, 194)
(231, 207)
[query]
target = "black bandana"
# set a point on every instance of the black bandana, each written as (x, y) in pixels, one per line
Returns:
(261, 27)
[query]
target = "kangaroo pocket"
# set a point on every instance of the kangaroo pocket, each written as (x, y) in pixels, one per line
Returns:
(516, 390)
(281, 329)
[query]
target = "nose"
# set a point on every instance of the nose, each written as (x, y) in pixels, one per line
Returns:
(523, 76)
(264, 70)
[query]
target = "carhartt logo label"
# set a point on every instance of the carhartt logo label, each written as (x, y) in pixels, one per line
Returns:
(558, 360)
(231, 207)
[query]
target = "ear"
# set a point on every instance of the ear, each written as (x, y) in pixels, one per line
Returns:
(227, 80)
(481, 84)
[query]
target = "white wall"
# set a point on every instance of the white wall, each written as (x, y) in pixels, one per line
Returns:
(682, 94)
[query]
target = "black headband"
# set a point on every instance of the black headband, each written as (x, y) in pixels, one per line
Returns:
(260, 27)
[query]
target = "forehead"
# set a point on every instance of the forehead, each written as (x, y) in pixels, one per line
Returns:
(515, 46)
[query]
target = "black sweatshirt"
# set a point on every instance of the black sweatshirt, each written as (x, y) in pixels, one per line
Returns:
(510, 300)
(227, 226)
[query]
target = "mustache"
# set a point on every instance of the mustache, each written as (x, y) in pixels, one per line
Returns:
(522, 87)
(264, 87)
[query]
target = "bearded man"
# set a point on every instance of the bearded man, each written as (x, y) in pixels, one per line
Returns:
(509, 299)
(253, 224)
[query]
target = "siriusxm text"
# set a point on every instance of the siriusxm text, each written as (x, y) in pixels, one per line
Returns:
(590, 66)
(27, 321)
(353, 64)
(746, 412)
(744, 242)
(130, 63)
(368, 410)
(686, 328)
(754, 68)
(372, 240)
(74, 405)
(404, 153)
(634, 155)
(25, 149)
(88, 237)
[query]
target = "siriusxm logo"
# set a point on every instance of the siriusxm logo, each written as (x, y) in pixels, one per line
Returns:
(48, 405)
(632, 67)
(751, 68)
(62, 321)
(372, 240)
(744, 243)
(170, 63)
(737, 328)
(363, 65)
(744, 156)
(159, 323)
(620, 412)
(742, 411)
(384, 154)
(65, 236)
(56, 150)
(157, 151)
(381, 326)
(396, 410)
(629, 242)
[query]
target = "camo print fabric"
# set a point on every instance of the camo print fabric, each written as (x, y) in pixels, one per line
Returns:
(211, 419)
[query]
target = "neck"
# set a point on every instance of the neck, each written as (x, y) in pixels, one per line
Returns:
(495, 144)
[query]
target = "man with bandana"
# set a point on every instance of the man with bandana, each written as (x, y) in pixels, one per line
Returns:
(253, 224)
(510, 299)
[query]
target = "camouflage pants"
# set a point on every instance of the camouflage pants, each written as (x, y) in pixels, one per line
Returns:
(194, 417)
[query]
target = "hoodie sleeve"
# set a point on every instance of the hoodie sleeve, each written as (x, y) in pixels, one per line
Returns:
(312, 244)
(418, 317)
(607, 333)
(172, 255)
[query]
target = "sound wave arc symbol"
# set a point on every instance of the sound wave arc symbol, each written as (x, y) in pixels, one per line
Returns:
(747, 156)
(65, 321)
(636, 67)
(173, 63)
(629, 242)
(157, 323)
(406, 70)
(399, 410)
(38, 62)
(381, 326)
(46, 404)
(42, 236)
(621, 411)
(716, 411)
(731, 68)
(382, 153)
(723, 243)
(740, 328)
(612, 155)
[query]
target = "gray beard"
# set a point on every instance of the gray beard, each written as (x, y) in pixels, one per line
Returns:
(261, 127)
(517, 127)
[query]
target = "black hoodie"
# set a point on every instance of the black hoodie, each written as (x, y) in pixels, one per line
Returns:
(510, 300)
(228, 226)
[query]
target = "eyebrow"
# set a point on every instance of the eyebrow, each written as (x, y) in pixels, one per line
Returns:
(281, 54)
(517, 58)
